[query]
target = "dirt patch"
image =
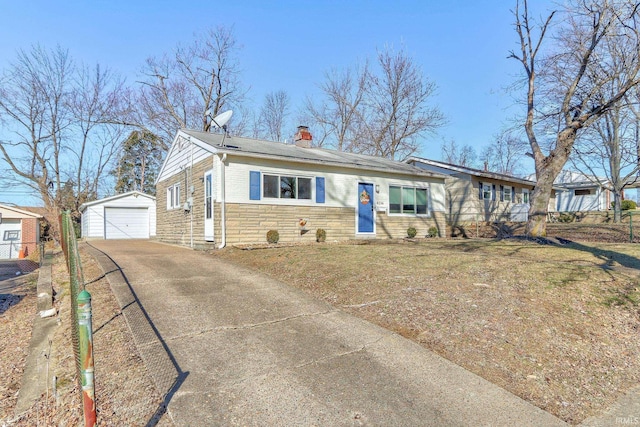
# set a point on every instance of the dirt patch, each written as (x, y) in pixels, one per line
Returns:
(555, 324)
(125, 394)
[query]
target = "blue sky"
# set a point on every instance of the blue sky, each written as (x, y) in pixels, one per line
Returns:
(462, 46)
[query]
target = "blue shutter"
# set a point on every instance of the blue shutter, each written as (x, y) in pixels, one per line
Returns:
(480, 195)
(513, 194)
(254, 185)
(319, 189)
(493, 193)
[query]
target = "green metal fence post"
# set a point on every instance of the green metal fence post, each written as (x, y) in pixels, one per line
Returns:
(86, 358)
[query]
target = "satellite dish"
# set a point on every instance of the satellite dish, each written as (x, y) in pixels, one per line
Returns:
(221, 119)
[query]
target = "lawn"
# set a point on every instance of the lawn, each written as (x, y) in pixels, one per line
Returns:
(554, 324)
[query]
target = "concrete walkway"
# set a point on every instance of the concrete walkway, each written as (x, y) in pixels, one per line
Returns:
(232, 347)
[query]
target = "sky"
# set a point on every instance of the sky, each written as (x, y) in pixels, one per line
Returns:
(461, 46)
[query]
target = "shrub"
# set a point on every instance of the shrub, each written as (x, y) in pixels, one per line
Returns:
(433, 232)
(411, 232)
(273, 236)
(321, 235)
(628, 205)
(566, 217)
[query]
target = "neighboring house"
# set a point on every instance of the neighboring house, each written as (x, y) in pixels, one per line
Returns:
(580, 193)
(19, 232)
(217, 189)
(129, 215)
(477, 195)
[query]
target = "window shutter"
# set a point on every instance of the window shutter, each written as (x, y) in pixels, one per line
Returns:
(480, 191)
(319, 189)
(513, 194)
(502, 193)
(493, 192)
(254, 185)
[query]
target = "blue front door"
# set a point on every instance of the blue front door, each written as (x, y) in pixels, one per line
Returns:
(365, 208)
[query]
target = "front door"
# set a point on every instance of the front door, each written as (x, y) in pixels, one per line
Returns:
(208, 206)
(365, 208)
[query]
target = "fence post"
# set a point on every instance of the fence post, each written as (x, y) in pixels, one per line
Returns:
(86, 358)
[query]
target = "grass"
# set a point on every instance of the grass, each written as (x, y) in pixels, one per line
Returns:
(553, 324)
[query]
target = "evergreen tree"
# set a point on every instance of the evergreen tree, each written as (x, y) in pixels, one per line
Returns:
(138, 163)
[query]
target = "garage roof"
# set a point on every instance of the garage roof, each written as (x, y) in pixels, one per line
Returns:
(117, 196)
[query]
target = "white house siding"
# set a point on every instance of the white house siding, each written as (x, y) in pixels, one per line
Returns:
(567, 201)
(181, 156)
(341, 185)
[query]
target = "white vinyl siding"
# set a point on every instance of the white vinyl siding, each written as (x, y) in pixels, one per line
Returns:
(340, 184)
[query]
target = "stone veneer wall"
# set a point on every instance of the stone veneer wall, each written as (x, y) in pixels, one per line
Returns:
(396, 226)
(174, 226)
(249, 223)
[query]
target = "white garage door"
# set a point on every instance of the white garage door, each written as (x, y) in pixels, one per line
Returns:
(10, 230)
(126, 223)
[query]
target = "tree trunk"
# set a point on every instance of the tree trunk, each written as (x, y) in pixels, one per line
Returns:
(617, 206)
(547, 169)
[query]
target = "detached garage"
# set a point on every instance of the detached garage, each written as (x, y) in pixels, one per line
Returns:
(124, 216)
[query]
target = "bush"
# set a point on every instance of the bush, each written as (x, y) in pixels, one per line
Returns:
(628, 205)
(321, 235)
(273, 236)
(566, 217)
(433, 232)
(411, 232)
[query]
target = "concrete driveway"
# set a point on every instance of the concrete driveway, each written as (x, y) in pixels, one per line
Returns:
(232, 347)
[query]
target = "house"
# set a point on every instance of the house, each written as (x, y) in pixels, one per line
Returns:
(19, 232)
(479, 195)
(216, 189)
(129, 215)
(578, 192)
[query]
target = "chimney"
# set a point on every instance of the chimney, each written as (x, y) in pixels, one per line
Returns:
(303, 137)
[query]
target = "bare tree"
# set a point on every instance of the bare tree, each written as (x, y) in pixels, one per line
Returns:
(610, 148)
(338, 116)
(453, 154)
(505, 153)
(565, 83)
(382, 112)
(58, 126)
(397, 106)
(182, 86)
(273, 115)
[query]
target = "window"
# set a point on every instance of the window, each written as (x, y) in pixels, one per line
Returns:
(582, 192)
(10, 235)
(173, 196)
(408, 200)
(506, 193)
(525, 195)
(486, 191)
(286, 187)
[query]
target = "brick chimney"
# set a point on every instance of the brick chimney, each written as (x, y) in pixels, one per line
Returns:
(303, 137)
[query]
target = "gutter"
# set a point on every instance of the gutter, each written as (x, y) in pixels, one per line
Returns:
(223, 206)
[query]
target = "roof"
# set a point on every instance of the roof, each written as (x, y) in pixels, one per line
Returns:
(20, 211)
(117, 196)
(472, 171)
(241, 146)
